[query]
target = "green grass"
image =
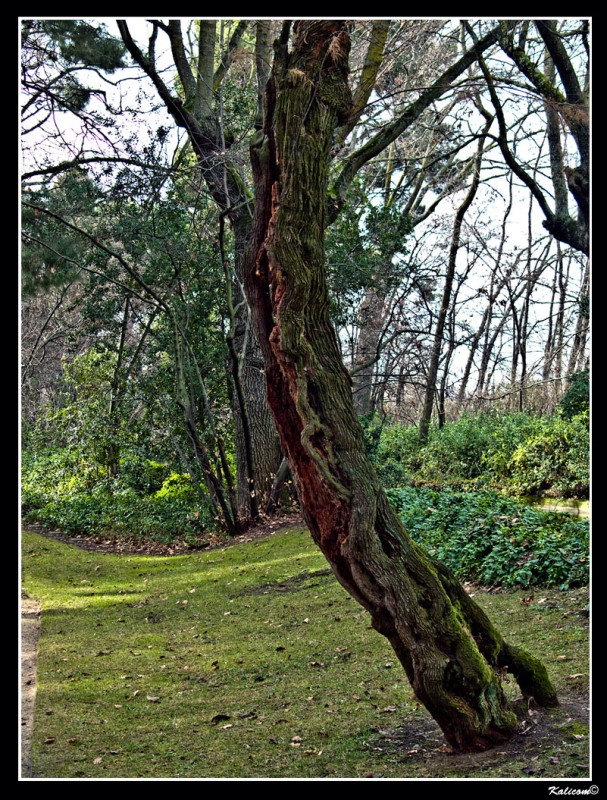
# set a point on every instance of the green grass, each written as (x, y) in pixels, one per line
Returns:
(262, 666)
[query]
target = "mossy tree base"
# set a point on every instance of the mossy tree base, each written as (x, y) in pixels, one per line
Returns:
(450, 651)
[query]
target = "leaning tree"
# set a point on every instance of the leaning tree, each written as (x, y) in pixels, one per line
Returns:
(451, 653)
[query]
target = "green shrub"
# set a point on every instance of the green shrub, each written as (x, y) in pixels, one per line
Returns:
(515, 453)
(554, 460)
(398, 454)
(576, 399)
(57, 472)
(179, 486)
(124, 514)
(486, 537)
(456, 451)
(144, 475)
(508, 431)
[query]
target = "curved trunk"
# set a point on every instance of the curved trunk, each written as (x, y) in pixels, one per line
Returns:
(446, 644)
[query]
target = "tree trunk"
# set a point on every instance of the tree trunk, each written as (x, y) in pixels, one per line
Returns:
(437, 345)
(256, 438)
(372, 313)
(578, 357)
(447, 646)
(284, 470)
(263, 444)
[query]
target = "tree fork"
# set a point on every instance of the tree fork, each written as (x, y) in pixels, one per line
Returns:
(450, 651)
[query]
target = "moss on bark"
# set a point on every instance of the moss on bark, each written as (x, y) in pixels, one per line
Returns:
(447, 646)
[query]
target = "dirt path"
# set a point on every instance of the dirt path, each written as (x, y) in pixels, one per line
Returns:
(30, 628)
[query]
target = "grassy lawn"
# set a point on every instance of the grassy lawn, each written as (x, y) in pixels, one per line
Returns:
(251, 661)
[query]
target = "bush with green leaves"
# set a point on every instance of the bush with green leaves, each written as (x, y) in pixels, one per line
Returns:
(576, 399)
(147, 499)
(516, 453)
(397, 454)
(142, 475)
(554, 459)
(122, 515)
(485, 537)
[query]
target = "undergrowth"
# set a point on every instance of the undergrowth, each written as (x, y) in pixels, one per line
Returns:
(486, 537)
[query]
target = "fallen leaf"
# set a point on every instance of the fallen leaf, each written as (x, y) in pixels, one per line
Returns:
(225, 727)
(306, 620)
(526, 600)
(215, 665)
(388, 709)
(97, 760)
(136, 692)
(388, 664)
(72, 741)
(152, 699)
(576, 675)
(50, 740)
(563, 658)
(296, 739)
(103, 653)
(219, 718)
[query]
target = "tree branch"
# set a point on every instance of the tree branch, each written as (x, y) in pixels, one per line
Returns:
(390, 132)
(180, 58)
(64, 166)
(102, 247)
(229, 53)
(373, 61)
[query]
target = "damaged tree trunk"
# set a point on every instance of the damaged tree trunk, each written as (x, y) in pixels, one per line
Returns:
(450, 651)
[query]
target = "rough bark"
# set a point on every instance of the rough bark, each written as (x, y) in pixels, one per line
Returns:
(264, 445)
(372, 316)
(447, 646)
(284, 470)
